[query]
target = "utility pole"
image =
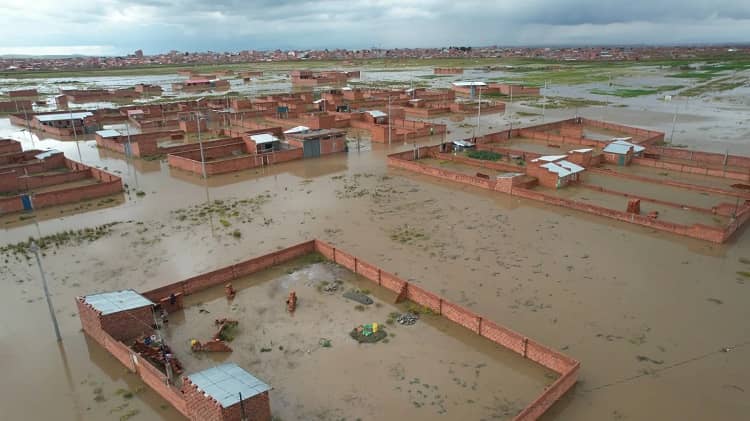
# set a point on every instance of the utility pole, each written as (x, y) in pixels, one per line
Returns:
(674, 123)
(198, 117)
(130, 154)
(389, 119)
(75, 135)
(479, 114)
(544, 101)
(35, 249)
(28, 127)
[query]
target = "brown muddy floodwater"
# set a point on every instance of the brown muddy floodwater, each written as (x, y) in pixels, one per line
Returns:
(419, 372)
(658, 322)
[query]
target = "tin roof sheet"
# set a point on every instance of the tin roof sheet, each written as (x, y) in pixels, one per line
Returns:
(226, 382)
(117, 301)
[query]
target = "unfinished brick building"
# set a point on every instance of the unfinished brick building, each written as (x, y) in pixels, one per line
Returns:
(254, 149)
(23, 93)
(448, 71)
(315, 143)
(328, 77)
(38, 179)
(201, 85)
(16, 106)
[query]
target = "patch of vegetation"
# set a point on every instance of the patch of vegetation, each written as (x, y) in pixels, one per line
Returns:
(406, 234)
(484, 155)
(718, 85)
(237, 233)
(60, 239)
(130, 414)
(140, 193)
(565, 102)
(636, 92)
(419, 309)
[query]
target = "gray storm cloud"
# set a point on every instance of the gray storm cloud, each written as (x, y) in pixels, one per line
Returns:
(226, 25)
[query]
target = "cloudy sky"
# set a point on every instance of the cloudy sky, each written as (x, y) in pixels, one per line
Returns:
(121, 26)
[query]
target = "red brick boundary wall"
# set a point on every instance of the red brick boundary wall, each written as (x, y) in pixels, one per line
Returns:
(191, 403)
(513, 186)
(672, 183)
(191, 161)
(693, 169)
(448, 71)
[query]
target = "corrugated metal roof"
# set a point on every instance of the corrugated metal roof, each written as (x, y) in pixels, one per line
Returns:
(377, 113)
(225, 383)
(117, 301)
(563, 168)
(298, 129)
(463, 143)
(263, 138)
(621, 147)
(581, 150)
(549, 158)
(47, 154)
(463, 84)
(63, 116)
(108, 133)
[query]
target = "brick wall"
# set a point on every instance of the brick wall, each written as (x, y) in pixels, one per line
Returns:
(10, 145)
(540, 354)
(693, 169)
(203, 408)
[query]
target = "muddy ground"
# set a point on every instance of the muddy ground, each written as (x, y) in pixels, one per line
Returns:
(658, 321)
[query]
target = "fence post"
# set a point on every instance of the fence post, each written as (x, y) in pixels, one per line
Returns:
(525, 345)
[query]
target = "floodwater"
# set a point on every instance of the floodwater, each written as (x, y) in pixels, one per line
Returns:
(657, 321)
(433, 368)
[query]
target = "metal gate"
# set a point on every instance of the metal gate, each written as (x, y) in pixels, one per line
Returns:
(27, 204)
(312, 148)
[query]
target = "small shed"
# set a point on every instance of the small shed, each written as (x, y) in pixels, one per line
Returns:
(227, 392)
(265, 142)
(621, 151)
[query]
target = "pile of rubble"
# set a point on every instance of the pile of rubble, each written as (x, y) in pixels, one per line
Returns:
(407, 319)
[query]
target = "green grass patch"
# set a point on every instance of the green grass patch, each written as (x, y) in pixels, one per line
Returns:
(565, 102)
(718, 85)
(484, 155)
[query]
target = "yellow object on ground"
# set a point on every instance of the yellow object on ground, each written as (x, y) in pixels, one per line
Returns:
(374, 328)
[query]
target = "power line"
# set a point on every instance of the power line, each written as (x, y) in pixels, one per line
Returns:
(669, 367)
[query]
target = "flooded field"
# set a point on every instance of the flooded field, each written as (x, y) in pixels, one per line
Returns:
(430, 369)
(618, 202)
(657, 321)
(660, 192)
